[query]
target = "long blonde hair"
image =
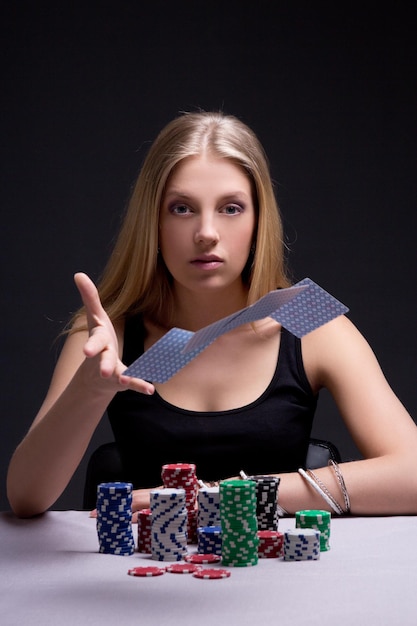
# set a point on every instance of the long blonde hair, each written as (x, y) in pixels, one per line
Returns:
(135, 278)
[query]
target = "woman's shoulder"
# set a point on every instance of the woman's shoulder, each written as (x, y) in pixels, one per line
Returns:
(339, 332)
(334, 348)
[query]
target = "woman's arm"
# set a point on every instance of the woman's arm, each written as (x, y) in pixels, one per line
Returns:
(337, 357)
(87, 375)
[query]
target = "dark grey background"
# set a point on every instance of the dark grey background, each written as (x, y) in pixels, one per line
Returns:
(331, 92)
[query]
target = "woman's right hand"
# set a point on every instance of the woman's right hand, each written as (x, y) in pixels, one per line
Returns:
(102, 344)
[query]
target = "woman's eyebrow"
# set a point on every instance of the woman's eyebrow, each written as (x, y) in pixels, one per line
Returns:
(178, 194)
(228, 196)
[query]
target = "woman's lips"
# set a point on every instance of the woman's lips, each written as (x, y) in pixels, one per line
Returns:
(207, 263)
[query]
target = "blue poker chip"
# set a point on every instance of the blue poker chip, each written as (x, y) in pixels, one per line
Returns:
(210, 530)
(114, 518)
(115, 487)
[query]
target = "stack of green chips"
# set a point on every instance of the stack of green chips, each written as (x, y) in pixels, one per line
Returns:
(317, 519)
(239, 523)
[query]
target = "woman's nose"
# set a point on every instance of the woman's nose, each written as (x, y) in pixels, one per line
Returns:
(206, 231)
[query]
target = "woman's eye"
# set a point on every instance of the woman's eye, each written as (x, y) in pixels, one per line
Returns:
(179, 209)
(232, 209)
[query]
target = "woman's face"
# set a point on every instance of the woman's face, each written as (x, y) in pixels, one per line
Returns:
(207, 224)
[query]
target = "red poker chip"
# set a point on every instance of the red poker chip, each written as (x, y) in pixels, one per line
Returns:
(275, 554)
(210, 574)
(146, 571)
(182, 568)
(202, 559)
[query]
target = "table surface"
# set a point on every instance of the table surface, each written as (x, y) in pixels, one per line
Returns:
(53, 574)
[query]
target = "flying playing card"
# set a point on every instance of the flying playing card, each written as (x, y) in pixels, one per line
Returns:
(300, 309)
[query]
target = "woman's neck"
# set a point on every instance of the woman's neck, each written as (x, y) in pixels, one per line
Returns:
(193, 311)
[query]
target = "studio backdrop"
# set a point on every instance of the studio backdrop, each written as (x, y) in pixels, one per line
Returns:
(86, 87)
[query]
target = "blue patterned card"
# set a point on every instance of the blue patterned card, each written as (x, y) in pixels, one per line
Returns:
(300, 309)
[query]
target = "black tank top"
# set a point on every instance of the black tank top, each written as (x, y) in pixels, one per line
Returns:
(269, 435)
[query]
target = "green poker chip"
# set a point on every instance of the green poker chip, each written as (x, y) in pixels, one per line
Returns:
(239, 523)
(318, 520)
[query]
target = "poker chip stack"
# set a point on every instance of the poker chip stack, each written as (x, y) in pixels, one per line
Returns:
(239, 523)
(209, 540)
(144, 531)
(183, 476)
(317, 519)
(271, 544)
(169, 524)
(114, 518)
(266, 501)
(208, 500)
(302, 544)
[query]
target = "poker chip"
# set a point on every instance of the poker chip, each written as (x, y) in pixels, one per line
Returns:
(202, 559)
(144, 543)
(208, 503)
(146, 571)
(271, 544)
(239, 523)
(246, 512)
(266, 501)
(114, 518)
(183, 476)
(209, 540)
(182, 568)
(169, 524)
(302, 544)
(318, 520)
(211, 574)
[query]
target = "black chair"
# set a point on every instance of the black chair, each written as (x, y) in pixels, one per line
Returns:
(320, 452)
(105, 465)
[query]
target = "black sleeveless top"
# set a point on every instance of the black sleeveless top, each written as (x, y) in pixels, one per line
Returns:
(269, 435)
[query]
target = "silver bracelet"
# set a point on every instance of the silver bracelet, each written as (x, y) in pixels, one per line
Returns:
(319, 490)
(326, 491)
(342, 485)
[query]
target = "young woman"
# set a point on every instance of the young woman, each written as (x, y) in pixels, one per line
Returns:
(202, 238)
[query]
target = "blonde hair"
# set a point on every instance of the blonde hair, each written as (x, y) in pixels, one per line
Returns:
(135, 278)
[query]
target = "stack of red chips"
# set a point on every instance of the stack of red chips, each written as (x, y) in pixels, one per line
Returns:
(183, 476)
(144, 530)
(271, 544)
